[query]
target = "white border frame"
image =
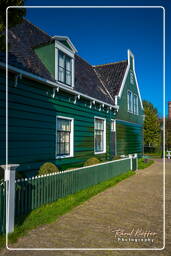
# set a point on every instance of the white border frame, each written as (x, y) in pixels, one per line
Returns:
(104, 138)
(71, 138)
(164, 73)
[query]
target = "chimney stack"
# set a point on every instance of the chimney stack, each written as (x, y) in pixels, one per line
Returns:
(169, 110)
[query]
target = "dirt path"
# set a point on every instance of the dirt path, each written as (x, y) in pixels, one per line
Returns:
(134, 205)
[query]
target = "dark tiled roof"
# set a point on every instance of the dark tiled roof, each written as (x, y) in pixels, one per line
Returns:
(98, 82)
(112, 75)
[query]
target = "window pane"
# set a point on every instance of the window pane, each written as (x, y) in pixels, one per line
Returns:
(98, 141)
(61, 74)
(99, 124)
(130, 103)
(99, 135)
(64, 124)
(68, 63)
(61, 59)
(68, 77)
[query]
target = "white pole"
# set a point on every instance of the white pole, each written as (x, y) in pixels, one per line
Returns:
(10, 190)
(130, 156)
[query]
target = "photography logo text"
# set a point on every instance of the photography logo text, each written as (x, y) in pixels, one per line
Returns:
(134, 235)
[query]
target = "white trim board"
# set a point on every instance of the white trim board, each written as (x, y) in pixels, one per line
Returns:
(130, 54)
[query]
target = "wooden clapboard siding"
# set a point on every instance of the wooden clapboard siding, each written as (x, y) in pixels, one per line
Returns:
(129, 138)
(32, 125)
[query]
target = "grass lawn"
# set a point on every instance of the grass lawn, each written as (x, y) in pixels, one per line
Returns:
(51, 212)
(143, 165)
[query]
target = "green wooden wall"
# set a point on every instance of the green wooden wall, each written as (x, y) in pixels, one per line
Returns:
(32, 125)
(47, 55)
(123, 113)
(129, 138)
(129, 127)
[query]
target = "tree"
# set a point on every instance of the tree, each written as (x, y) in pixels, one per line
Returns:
(152, 130)
(15, 16)
(168, 134)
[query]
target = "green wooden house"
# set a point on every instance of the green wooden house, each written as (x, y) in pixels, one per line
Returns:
(63, 110)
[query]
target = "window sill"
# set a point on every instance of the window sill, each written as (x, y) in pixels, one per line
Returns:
(61, 157)
(66, 85)
(102, 152)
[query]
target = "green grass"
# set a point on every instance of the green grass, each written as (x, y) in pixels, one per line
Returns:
(50, 212)
(153, 155)
(143, 165)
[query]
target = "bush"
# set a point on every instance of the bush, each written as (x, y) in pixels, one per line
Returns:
(116, 158)
(91, 161)
(144, 163)
(47, 168)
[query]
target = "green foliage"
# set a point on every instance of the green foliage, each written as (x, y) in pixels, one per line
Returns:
(152, 132)
(116, 158)
(15, 16)
(144, 163)
(168, 134)
(1, 174)
(91, 161)
(47, 168)
(51, 212)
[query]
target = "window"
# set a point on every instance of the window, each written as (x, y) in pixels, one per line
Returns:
(64, 68)
(64, 137)
(130, 101)
(113, 125)
(100, 135)
(135, 104)
(131, 78)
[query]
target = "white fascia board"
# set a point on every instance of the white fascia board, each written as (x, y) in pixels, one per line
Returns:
(138, 88)
(68, 41)
(124, 80)
(63, 48)
(125, 77)
(55, 84)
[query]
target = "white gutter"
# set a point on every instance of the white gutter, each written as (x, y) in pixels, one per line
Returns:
(55, 85)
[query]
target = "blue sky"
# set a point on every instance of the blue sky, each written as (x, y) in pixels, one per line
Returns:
(104, 35)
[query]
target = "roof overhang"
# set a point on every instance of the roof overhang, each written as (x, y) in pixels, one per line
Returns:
(56, 86)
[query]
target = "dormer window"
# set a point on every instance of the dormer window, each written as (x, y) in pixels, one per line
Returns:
(64, 68)
(64, 61)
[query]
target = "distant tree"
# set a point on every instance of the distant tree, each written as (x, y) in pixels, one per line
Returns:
(152, 130)
(168, 134)
(15, 16)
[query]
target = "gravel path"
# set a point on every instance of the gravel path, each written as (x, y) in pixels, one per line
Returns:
(124, 211)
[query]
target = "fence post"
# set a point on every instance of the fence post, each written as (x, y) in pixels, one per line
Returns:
(136, 156)
(130, 156)
(10, 170)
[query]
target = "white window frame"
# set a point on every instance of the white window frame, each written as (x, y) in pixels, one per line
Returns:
(131, 77)
(71, 137)
(113, 127)
(104, 137)
(130, 109)
(136, 111)
(60, 47)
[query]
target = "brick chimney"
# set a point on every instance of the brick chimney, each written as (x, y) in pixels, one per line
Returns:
(169, 110)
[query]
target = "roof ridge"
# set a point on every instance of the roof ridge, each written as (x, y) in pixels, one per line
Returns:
(37, 28)
(111, 63)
